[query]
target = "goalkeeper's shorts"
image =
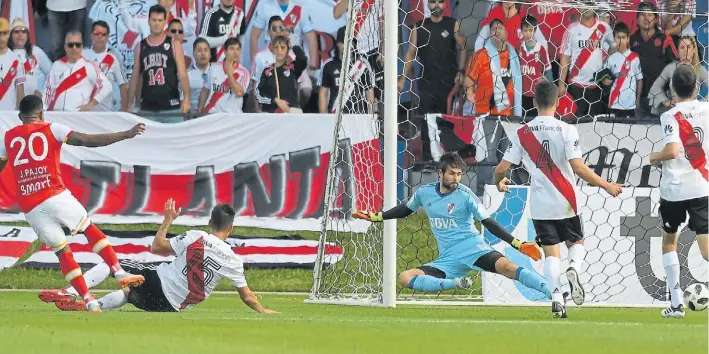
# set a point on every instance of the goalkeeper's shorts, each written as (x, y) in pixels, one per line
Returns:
(458, 265)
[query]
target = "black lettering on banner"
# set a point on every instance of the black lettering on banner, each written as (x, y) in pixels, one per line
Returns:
(12, 233)
(304, 162)
(247, 178)
(344, 184)
(100, 174)
(601, 163)
(139, 184)
(204, 192)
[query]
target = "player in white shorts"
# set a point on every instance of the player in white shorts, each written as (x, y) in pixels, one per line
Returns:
(551, 152)
(684, 186)
(32, 151)
(202, 260)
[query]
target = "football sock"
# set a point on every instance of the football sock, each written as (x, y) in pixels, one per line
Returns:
(552, 274)
(100, 245)
(671, 263)
(93, 277)
(72, 274)
(532, 280)
(576, 255)
(427, 283)
(113, 300)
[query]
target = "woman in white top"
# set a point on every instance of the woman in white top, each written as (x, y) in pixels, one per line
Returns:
(36, 62)
(677, 17)
(197, 73)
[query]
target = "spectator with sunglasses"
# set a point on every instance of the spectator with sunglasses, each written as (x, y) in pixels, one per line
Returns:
(277, 90)
(110, 63)
(35, 62)
(74, 83)
(176, 31)
(198, 72)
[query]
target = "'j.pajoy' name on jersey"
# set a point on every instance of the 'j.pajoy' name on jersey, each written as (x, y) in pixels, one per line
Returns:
(442, 223)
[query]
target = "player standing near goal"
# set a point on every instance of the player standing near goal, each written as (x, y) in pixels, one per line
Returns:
(684, 187)
(202, 260)
(33, 150)
(550, 151)
(450, 208)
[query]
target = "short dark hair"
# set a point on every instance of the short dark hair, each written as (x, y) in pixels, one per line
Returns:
(529, 21)
(621, 27)
(281, 39)
(545, 94)
(100, 23)
(222, 217)
(684, 81)
(450, 160)
(30, 105)
(646, 6)
(175, 20)
(230, 42)
(198, 41)
(496, 21)
(157, 9)
(273, 19)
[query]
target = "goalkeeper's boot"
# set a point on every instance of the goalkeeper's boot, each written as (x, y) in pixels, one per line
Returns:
(673, 312)
(577, 292)
(464, 283)
(56, 295)
(127, 280)
(558, 310)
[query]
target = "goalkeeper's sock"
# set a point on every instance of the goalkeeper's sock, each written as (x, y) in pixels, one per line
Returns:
(427, 283)
(576, 255)
(113, 300)
(532, 280)
(72, 274)
(93, 277)
(671, 263)
(100, 245)
(552, 272)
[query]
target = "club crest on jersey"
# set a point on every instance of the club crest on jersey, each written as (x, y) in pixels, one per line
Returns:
(286, 73)
(599, 34)
(444, 34)
(166, 46)
(451, 207)
(519, 33)
(104, 67)
(627, 64)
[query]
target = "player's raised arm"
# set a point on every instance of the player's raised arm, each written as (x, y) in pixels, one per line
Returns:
(161, 245)
(98, 140)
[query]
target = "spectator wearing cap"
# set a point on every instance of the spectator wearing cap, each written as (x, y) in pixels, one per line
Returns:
(359, 89)
(64, 16)
(12, 76)
(110, 63)
(655, 48)
(662, 98)
(197, 74)
(35, 62)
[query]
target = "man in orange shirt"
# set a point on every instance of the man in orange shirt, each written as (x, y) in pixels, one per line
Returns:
(493, 81)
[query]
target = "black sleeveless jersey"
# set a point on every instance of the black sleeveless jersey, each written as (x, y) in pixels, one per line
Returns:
(160, 88)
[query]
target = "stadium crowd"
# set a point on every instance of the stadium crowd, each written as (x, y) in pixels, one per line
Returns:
(617, 62)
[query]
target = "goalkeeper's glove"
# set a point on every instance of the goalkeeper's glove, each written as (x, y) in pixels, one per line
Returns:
(367, 215)
(530, 249)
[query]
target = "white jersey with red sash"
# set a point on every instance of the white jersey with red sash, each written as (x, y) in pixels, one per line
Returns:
(369, 14)
(110, 64)
(295, 18)
(201, 261)
(687, 176)
(221, 99)
(626, 68)
(36, 68)
(587, 47)
(12, 74)
(545, 145)
(69, 86)
(235, 24)
(139, 24)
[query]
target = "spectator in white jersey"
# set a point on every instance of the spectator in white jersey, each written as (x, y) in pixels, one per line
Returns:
(110, 63)
(226, 83)
(201, 261)
(12, 76)
(220, 23)
(199, 70)
(277, 90)
(74, 83)
(550, 151)
(684, 187)
(359, 82)
(625, 66)
(35, 63)
(141, 24)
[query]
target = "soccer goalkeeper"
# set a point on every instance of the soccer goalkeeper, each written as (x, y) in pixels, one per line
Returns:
(450, 208)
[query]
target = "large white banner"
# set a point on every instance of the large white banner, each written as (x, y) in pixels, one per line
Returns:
(271, 168)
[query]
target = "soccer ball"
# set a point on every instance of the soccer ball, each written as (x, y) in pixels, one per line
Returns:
(696, 297)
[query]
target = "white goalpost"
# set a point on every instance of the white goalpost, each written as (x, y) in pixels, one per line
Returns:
(623, 264)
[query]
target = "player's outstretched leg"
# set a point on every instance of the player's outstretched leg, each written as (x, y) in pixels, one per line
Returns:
(93, 277)
(417, 279)
(577, 253)
(72, 273)
(110, 301)
(100, 245)
(671, 263)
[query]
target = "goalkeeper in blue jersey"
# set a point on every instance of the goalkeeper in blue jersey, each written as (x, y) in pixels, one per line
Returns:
(450, 208)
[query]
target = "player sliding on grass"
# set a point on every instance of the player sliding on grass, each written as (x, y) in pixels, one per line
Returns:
(32, 150)
(450, 208)
(684, 187)
(551, 152)
(202, 260)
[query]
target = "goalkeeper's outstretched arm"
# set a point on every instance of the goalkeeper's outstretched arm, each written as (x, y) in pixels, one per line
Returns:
(528, 248)
(397, 212)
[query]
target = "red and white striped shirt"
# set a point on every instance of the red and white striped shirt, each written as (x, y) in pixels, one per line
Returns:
(221, 97)
(587, 47)
(71, 85)
(12, 74)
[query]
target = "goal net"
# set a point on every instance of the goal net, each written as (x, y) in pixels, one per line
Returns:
(397, 80)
